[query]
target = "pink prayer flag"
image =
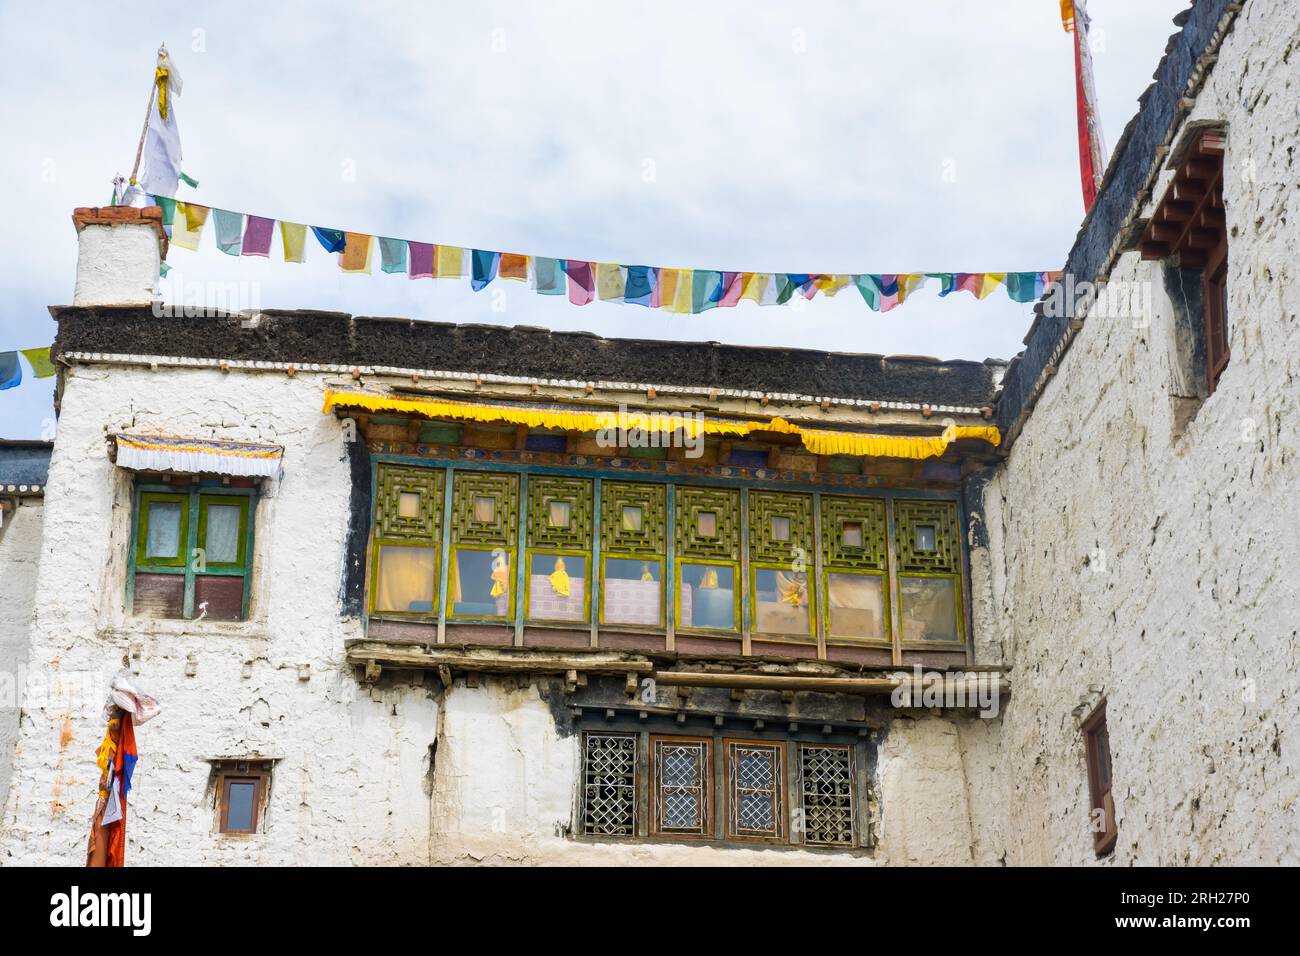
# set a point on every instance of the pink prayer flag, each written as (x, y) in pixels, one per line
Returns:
(257, 237)
(582, 287)
(733, 283)
(421, 260)
(888, 302)
(969, 282)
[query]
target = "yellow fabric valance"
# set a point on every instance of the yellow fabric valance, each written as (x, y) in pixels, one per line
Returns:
(574, 418)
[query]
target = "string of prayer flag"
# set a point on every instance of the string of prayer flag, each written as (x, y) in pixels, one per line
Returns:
(678, 291)
(11, 370)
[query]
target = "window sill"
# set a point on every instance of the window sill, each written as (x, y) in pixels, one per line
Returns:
(861, 852)
(133, 627)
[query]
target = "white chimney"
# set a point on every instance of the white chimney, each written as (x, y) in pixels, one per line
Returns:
(119, 252)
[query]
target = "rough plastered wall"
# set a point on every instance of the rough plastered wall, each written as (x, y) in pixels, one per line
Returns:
(505, 792)
(20, 544)
(351, 781)
(1153, 559)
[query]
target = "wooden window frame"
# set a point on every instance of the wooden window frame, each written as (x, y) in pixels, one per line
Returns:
(706, 830)
(195, 499)
(242, 772)
(1096, 741)
(780, 811)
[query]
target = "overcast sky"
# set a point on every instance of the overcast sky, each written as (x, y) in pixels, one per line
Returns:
(872, 136)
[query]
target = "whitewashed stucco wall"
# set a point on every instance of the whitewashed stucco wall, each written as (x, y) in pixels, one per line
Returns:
(352, 762)
(20, 543)
(1159, 565)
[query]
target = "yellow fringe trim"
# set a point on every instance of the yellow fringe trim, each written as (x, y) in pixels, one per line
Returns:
(817, 441)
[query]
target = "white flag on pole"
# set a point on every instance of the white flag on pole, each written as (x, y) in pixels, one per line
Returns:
(161, 167)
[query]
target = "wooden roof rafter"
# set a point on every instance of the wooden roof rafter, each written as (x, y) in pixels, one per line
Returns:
(1190, 218)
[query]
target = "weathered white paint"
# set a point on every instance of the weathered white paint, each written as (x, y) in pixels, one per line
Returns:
(20, 542)
(1156, 563)
(117, 264)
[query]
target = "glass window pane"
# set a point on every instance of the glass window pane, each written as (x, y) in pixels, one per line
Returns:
(632, 591)
(631, 518)
(780, 528)
(559, 514)
(708, 596)
(557, 587)
(405, 580)
(164, 536)
(484, 508)
(781, 602)
(221, 539)
(706, 524)
(857, 606)
(925, 537)
(239, 804)
(929, 608)
(408, 504)
(852, 534)
(482, 583)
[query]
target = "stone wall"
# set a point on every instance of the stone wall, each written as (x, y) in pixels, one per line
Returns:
(20, 543)
(1144, 550)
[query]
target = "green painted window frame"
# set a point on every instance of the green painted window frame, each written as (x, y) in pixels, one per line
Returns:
(763, 552)
(194, 498)
(575, 541)
(616, 545)
(872, 558)
(453, 570)
(388, 483)
(944, 516)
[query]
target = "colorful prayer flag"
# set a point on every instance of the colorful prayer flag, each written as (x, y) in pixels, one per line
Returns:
(257, 236)
(356, 252)
(448, 262)
(582, 285)
(639, 287)
(392, 255)
(548, 276)
(421, 256)
(39, 359)
(513, 267)
(609, 282)
(188, 228)
(230, 231)
(11, 373)
(483, 268)
(293, 235)
(332, 239)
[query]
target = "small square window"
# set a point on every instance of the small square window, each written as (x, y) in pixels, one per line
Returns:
(706, 524)
(780, 528)
(485, 507)
(925, 537)
(631, 518)
(559, 514)
(851, 534)
(241, 794)
(408, 504)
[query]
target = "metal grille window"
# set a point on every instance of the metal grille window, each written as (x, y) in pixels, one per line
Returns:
(755, 780)
(609, 784)
(826, 789)
(681, 793)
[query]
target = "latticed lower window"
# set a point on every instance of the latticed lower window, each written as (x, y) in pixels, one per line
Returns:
(826, 789)
(755, 783)
(681, 792)
(609, 784)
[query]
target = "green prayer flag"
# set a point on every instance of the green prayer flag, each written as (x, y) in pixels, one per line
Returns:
(39, 359)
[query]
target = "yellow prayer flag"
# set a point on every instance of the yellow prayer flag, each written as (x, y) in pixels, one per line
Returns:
(990, 282)
(681, 299)
(294, 236)
(667, 287)
(42, 367)
(609, 280)
(356, 252)
(183, 234)
(755, 285)
(448, 262)
(907, 284)
(195, 216)
(831, 284)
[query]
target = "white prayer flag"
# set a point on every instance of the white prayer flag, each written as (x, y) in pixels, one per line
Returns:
(161, 165)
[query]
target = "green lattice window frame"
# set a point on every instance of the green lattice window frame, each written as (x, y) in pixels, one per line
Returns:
(645, 542)
(791, 558)
(919, 522)
(548, 496)
(392, 530)
(190, 565)
(863, 553)
(719, 550)
(497, 536)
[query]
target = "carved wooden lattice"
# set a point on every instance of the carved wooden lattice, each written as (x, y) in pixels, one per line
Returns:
(681, 786)
(724, 505)
(756, 785)
(772, 513)
(938, 517)
(398, 485)
(567, 497)
(609, 784)
(826, 789)
(625, 536)
(838, 547)
(471, 493)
